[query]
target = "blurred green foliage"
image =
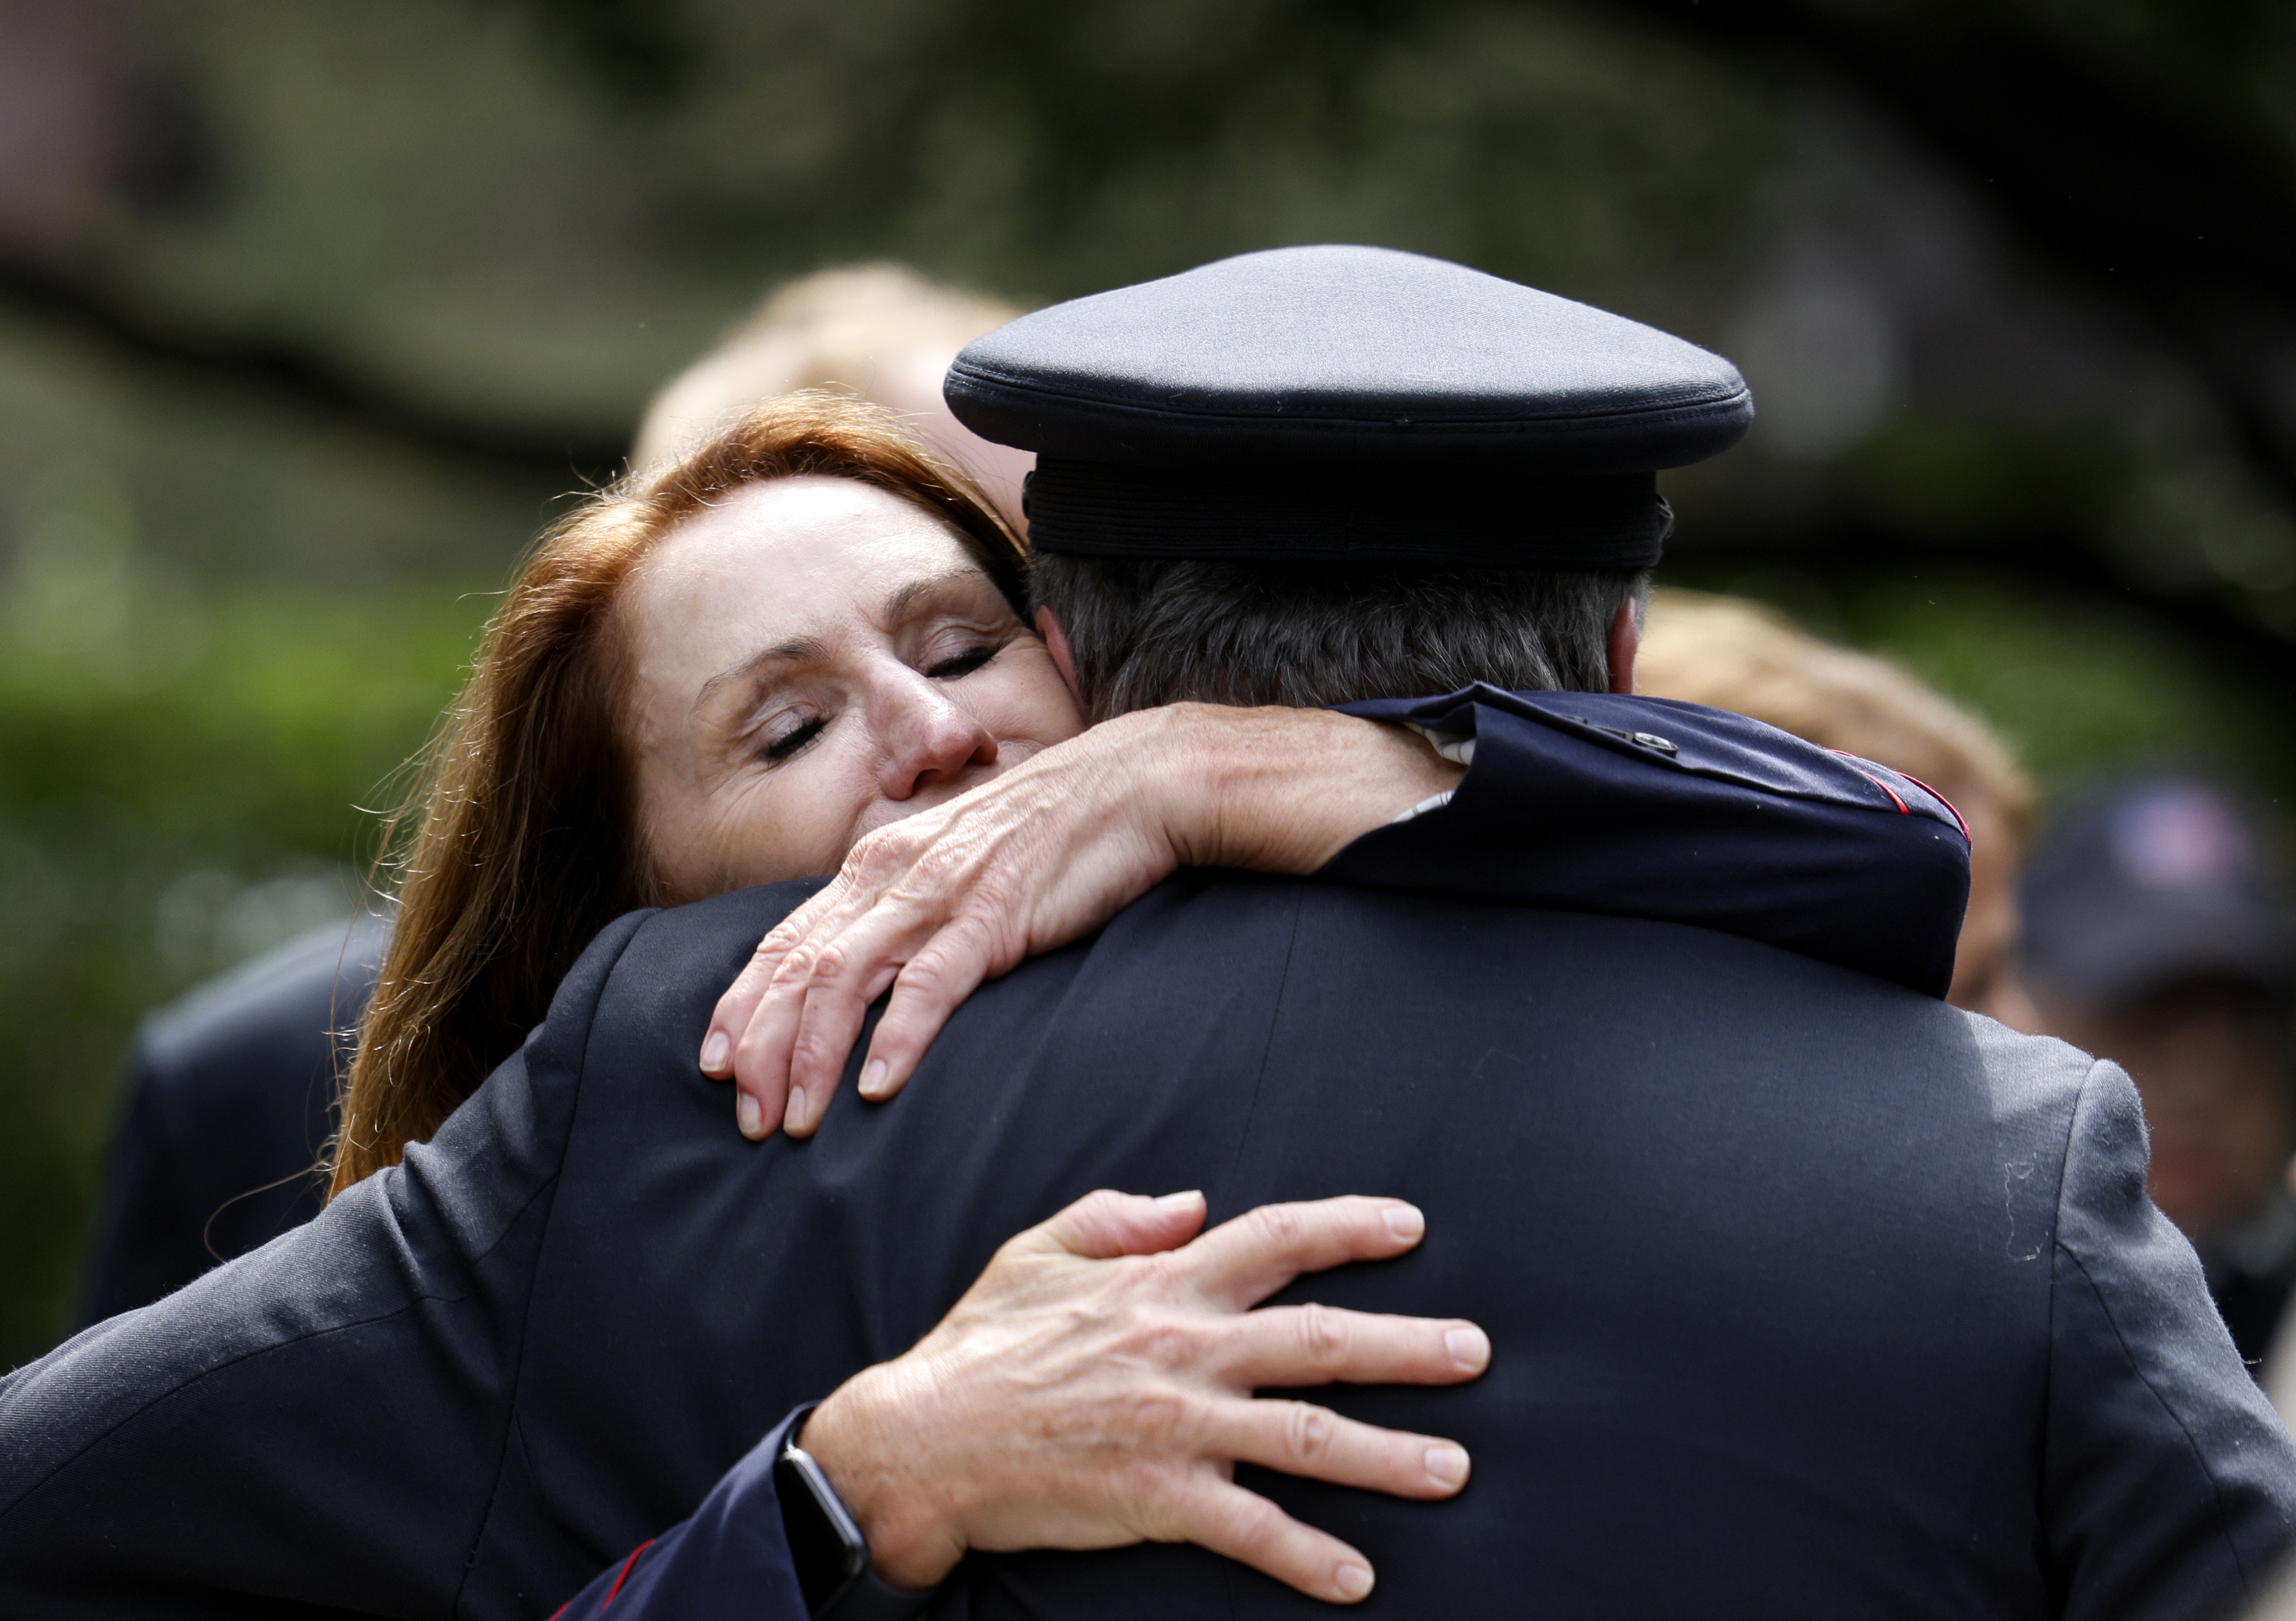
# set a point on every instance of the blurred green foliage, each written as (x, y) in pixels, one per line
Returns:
(2078, 686)
(178, 785)
(2075, 686)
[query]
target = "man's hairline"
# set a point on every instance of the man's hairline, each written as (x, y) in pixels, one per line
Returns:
(1638, 592)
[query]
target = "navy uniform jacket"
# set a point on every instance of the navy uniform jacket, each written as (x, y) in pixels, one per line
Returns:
(1808, 1294)
(229, 1104)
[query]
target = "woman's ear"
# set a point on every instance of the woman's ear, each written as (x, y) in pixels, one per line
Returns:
(1626, 640)
(1056, 642)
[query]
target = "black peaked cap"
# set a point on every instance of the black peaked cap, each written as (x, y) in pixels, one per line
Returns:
(1347, 405)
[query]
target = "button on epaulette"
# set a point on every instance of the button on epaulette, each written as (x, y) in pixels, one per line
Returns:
(1646, 740)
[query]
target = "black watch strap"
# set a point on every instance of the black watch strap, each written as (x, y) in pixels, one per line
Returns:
(827, 1548)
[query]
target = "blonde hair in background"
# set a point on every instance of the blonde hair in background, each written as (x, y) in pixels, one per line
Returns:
(878, 330)
(1732, 654)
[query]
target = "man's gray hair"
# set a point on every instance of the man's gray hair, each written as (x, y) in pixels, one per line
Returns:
(1149, 633)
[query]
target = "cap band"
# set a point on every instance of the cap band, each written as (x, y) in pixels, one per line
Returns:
(1426, 519)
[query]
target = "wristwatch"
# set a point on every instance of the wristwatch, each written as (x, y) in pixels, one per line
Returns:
(826, 1545)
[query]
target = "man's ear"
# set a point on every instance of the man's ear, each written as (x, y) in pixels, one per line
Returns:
(1049, 630)
(1626, 639)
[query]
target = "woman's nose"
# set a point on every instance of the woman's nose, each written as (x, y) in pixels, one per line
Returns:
(929, 741)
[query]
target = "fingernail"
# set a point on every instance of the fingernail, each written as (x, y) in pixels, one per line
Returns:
(1470, 1346)
(793, 1117)
(1178, 1201)
(1353, 1581)
(746, 1115)
(1405, 1222)
(714, 1050)
(873, 1078)
(1447, 1464)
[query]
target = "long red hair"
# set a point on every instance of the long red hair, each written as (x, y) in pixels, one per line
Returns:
(516, 846)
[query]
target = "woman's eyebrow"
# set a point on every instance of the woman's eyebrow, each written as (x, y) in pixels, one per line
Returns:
(905, 598)
(797, 649)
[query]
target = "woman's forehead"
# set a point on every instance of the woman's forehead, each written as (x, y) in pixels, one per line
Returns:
(804, 521)
(790, 558)
(810, 544)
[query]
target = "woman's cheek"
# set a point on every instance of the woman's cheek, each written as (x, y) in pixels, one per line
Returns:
(1029, 704)
(799, 823)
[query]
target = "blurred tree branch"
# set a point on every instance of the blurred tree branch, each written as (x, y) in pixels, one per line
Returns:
(2180, 206)
(638, 52)
(303, 377)
(2149, 174)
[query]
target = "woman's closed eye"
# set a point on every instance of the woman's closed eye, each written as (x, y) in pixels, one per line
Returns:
(958, 665)
(785, 739)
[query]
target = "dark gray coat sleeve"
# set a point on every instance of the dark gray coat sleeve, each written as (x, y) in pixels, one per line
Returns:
(149, 1224)
(318, 1425)
(2167, 1477)
(229, 1100)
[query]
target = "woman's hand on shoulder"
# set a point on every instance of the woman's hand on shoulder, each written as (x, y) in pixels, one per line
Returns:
(931, 907)
(1095, 1389)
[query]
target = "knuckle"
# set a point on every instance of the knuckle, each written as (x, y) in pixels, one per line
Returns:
(1013, 1253)
(927, 973)
(1325, 1335)
(1282, 1228)
(936, 864)
(1095, 1212)
(1309, 1432)
(978, 931)
(795, 966)
(885, 853)
(779, 938)
(1255, 1525)
(1159, 1338)
(831, 964)
(989, 883)
(1155, 1416)
(813, 1050)
(1166, 1274)
(1102, 1201)
(1161, 1512)
(751, 1055)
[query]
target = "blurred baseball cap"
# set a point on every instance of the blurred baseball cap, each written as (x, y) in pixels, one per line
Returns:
(2152, 883)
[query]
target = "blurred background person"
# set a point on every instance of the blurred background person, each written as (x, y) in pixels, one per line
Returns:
(230, 1098)
(2157, 936)
(880, 332)
(228, 1105)
(1737, 655)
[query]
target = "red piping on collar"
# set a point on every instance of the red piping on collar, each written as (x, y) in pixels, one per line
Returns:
(1940, 799)
(1903, 810)
(628, 1566)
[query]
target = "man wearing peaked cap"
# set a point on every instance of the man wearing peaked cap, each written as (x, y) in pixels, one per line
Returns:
(1349, 405)
(1808, 1293)
(1392, 435)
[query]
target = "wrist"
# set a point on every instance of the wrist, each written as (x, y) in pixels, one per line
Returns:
(1227, 778)
(865, 1437)
(1187, 770)
(1284, 790)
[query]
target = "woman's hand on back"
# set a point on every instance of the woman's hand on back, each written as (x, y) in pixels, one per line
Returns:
(932, 906)
(1095, 1389)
